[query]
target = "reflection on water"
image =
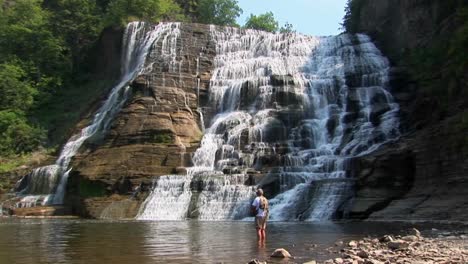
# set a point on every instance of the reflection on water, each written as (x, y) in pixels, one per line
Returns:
(84, 241)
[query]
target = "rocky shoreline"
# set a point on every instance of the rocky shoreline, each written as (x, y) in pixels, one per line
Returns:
(412, 248)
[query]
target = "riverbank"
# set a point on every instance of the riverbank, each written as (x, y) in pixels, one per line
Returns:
(446, 247)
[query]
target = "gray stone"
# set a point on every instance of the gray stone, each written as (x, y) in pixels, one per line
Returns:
(397, 244)
(280, 253)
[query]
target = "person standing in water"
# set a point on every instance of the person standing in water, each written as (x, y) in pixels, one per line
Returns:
(260, 208)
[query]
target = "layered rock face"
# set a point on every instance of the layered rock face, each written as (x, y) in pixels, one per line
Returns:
(425, 175)
(157, 129)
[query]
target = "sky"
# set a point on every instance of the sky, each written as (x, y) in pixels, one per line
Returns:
(311, 17)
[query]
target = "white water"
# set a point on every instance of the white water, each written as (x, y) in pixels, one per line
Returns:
(137, 42)
(324, 99)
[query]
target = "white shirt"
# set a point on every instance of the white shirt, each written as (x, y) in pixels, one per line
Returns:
(256, 204)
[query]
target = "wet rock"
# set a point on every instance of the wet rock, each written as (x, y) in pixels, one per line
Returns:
(280, 253)
(311, 262)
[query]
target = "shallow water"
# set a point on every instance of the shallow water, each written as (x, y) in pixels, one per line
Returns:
(86, 241)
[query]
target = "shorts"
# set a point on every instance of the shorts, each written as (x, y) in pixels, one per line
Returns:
(260, 222)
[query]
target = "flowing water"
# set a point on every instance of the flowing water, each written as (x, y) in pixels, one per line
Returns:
(47, 185)
(298, 108)
(294, 108)
(27, 241)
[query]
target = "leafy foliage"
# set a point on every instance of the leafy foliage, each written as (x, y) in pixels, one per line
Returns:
(219, 12)
(16, 135)
(266, 22)
(16, 92)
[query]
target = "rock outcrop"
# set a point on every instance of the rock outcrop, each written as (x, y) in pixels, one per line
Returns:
(425, 174)
(155, 132)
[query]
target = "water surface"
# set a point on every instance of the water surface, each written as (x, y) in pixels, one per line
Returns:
(26, 241)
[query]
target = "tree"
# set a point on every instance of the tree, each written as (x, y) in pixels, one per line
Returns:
(219, 12)
(170, 11)
(287, 28)
(352, 16)
(264, 22)
(120, 12)
(16, 92)
(79, 23)
(16, 135)
(25, 35)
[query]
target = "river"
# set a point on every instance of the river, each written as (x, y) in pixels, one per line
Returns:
(26, 241)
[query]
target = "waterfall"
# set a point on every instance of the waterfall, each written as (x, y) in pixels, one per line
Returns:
(295, 107)
(47, 185)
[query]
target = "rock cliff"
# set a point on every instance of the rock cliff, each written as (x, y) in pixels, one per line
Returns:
(425, 175)
(154, 134)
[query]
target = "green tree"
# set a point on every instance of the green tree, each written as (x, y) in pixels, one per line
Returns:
(26, 39)
(79, 23)
(266, 22)
(120, 12)
(16, 92)
(16, 135)
(219, 12)
(170, 11)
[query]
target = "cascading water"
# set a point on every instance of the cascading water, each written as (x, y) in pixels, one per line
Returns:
(295, 107)
(47, 185)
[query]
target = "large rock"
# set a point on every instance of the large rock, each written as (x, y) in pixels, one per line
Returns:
(154, 134)
(425, 174)
(280, 253)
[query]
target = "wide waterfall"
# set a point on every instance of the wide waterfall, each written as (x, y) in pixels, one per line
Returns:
(47, 185)
(295, 109)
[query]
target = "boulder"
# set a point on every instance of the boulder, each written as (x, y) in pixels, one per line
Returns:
(280, 253)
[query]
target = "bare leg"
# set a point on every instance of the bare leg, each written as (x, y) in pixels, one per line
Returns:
(263, 235)
(259, 234)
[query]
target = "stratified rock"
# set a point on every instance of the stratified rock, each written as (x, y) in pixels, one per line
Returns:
(280, 253)
(154, 134)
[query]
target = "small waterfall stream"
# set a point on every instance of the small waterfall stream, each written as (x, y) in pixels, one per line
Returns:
(47, 185)
(295, 107)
